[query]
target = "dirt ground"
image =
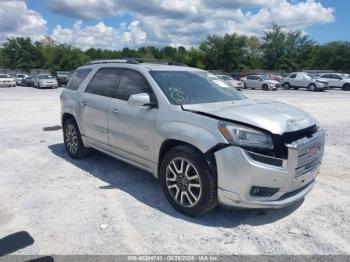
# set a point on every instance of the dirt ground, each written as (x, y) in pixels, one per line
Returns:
(100, 205)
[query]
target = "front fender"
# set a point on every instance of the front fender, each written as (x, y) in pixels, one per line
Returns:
(197, 136)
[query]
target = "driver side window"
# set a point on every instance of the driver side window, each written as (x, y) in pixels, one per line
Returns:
(131, 83)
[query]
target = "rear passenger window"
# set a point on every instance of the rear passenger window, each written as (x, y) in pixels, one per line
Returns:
(77, 78)
(133, 82)
(104, 82)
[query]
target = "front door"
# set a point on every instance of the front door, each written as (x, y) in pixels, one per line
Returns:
(131, 128)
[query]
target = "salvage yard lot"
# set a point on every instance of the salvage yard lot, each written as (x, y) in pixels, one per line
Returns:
(100, 205)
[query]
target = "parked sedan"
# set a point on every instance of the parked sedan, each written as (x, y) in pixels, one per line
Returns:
(231, 81)
(260, 82)
(45, 81)
(28, 81)
(7, 81)
(337, 80)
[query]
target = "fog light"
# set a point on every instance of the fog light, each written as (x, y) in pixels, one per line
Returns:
(263, 191)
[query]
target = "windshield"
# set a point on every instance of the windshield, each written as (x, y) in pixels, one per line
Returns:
(226, 77)
(311, 76)
(45, 77)
(20, 76)
(194, 87)
(4, 76)
(62, 73)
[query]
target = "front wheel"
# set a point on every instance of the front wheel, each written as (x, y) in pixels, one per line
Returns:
(187, 181)
(286, 86)
(265, 87)
(72, 140)
(312, 87)
(346, 87)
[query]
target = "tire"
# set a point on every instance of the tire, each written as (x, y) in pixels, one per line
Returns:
(265, 87)
(72, 140)
(346, 87)
(286, 86)
(312, 87)
(179, 164)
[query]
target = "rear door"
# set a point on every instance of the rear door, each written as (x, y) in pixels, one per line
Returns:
(131, 128)
(95, 104)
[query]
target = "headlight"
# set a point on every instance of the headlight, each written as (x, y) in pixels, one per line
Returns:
(244, 136)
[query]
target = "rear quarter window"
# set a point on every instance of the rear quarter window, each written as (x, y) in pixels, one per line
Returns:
(77, 78)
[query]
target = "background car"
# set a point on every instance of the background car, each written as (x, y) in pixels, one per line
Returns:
(28, 81)
(45, 81)
(260, 82)
(337, 80)
(61, 77)
(19, 78)
(233, 82)
(276, 77)
(7, 81)
(304, 80)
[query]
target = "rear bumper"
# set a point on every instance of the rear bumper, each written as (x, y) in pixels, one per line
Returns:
(238, 173)
(46, 85)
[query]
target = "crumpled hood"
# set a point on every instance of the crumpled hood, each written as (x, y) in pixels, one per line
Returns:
(275, 117)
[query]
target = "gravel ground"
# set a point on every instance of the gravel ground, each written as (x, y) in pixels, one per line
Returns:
(100, 205)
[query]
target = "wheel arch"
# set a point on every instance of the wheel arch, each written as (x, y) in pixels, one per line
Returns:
(67, 116)
(168, 144)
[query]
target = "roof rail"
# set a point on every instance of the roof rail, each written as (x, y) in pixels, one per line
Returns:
(107, 61)
(135, 61)
(156, 61)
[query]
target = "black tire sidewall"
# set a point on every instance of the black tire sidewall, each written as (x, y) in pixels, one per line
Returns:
(208, 180)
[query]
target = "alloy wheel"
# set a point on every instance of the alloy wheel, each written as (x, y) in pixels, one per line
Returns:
(183, 182)
(71, 138)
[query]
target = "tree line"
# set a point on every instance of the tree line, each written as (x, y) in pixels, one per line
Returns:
(275, 50)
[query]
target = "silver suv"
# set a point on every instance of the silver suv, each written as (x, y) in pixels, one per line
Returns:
(206, 142)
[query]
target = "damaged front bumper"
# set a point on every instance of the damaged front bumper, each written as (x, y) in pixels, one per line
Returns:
(249, 180)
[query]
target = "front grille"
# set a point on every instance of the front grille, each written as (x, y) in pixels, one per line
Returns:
(280, 141)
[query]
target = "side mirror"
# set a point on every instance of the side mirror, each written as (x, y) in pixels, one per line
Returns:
(142, 99)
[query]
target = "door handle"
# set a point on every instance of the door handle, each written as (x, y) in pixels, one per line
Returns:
(83, 103)
(114, 111)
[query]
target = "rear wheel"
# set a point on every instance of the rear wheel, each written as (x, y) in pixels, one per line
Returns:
(187, 181)
(72, 140)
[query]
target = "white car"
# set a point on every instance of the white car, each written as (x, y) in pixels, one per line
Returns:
(7, 81)
(19, 78)
(337, 80)
(233, 82)
(304, 80)
(207, 143)
(260, 82)
(45, 81)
